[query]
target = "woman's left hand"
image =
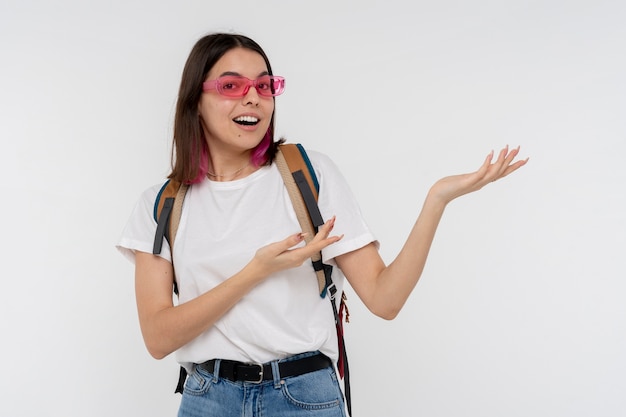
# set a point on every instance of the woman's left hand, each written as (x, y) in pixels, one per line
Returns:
(449, 188)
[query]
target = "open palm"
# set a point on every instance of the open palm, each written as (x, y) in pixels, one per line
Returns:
(449, 188)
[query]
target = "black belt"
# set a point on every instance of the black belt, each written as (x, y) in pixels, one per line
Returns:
(239, 371)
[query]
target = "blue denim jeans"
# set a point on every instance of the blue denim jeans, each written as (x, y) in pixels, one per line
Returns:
(315, 394)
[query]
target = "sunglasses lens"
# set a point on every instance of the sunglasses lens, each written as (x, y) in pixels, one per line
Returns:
(269, 86)
(278, 86)
(232, 86)
(264, 86)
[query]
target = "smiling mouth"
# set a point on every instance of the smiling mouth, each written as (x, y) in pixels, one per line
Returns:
(246, 120)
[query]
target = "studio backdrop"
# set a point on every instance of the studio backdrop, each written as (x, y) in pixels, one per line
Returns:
(520, 310)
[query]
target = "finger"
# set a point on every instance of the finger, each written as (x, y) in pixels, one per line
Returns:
(488, 160)
(325, 229)
(311, 248)
(514, 167)
(484, 168)
(485, 173)
(503, 153)
(290, 241)
(499, 166)
(506, 168)
(509, 158)
(323, 238)
(318, 245)
(511, 155)
(500, 162)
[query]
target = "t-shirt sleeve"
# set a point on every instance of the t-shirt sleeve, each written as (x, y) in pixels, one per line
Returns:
(336, 199)
(138, 234)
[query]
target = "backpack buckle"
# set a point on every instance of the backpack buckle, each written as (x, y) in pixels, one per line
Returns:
(332, 291)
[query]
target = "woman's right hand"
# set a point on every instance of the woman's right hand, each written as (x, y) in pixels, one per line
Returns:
(279, 256)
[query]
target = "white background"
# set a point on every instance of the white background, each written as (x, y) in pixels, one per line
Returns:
(521, 309)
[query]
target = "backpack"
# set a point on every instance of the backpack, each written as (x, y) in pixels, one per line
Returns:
(303, 188)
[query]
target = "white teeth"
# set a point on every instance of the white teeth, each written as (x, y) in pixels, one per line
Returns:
(248, 119)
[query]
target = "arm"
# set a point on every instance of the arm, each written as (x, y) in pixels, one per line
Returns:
(166, 327)
(385, 289)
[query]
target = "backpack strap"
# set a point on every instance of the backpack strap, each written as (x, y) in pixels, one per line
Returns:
(168, 205)
(298, 177)
(301, 182)
(297, 159)
(168, 208)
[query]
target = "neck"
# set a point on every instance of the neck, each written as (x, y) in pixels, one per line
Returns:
(226, 174)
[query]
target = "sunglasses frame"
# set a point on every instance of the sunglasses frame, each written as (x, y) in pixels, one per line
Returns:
(218, 85)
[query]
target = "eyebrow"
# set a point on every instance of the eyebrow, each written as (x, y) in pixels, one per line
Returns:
(239, 75)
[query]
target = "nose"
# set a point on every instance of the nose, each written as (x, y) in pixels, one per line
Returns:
(251, 95)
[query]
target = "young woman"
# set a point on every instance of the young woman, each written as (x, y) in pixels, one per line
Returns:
(246, 293)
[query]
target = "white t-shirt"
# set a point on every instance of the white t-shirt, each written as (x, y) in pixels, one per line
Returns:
(222, 225)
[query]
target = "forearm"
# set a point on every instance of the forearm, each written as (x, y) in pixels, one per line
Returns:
(166, 328)
(396, 282)
(385, 289)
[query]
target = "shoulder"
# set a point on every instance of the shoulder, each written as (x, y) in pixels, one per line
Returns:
(150, 196)
(323, 165)
(153, 191)
(319, 160)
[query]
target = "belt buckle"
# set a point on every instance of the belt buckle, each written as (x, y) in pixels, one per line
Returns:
(260, 373)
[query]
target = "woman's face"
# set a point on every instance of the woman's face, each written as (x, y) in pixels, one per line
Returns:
(235, 125)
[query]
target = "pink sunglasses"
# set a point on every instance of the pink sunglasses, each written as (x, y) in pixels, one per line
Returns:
(238, 86)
